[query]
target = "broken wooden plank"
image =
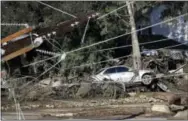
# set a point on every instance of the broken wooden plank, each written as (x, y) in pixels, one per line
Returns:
(17, 53)
(17, 34)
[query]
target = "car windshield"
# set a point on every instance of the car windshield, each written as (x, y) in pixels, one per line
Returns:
(110, 71)
(116, 70)
(121, 69)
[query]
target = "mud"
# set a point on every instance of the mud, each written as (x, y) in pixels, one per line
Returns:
(130, 107)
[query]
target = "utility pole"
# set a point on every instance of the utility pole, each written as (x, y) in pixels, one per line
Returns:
(135, 43)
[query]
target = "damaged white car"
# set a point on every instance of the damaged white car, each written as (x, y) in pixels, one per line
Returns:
(124, 74)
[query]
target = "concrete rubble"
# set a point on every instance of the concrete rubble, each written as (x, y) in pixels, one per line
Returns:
(181, 115)
(161, 108)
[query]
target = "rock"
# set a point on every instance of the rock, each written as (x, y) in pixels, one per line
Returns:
(33, 95)
(35, 106)
(152, 100)
(175, 108)
(161, 108)
(47, 106)
(143, 96)
(27, 107)
(59, 115)
(44, 82)
(113, 90)
(37, 93)
(50, 106)
(161, 101)
(64, 115)
(132, 94)
(175, 100)
(169, 97)
(182, 115)
(184, 101)
(84, 90)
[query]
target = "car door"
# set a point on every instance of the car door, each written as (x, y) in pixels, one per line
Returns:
(124, 74)
(111, 74)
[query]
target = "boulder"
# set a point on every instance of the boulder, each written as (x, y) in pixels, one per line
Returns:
(184, 101)
(175, 108)
(59, 114)
(64, 115)
(161, 108)
(38, 93)
(132, 94)
(143, 96)
(84, 90)
(181, 115)
(151, 99)
(114, 90)
(169, 97)
(33, 95)
(175, 100)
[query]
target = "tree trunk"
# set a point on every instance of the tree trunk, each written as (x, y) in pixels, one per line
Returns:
(135, 44)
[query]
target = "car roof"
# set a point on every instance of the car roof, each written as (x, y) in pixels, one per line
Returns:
(117, 66)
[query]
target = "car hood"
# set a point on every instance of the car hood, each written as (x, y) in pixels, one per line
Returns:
(97, 77)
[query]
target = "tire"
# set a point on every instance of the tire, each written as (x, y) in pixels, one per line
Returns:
(147, 79)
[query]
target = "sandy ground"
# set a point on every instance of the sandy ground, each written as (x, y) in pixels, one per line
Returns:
(124, 108)
(138, 111)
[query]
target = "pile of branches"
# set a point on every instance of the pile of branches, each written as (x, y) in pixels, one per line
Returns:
(74, 91)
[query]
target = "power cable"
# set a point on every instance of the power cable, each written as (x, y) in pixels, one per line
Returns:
(14, 24)
(57, 9)
(172, 46)
(42, 73)
(95, 63)
(53, 45)
(83, 37)
(57, 43)
(126, 46)
(102, 16)
(138, 80)
(81, 48)
(93, 82)
(112, 39)
(107, 40)
(41, 61)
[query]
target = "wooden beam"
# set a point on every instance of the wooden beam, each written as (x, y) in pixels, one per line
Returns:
(18, 53)
(16, 45)
(17, 34)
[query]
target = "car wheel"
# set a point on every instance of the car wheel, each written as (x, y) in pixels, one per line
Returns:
(147, 79)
